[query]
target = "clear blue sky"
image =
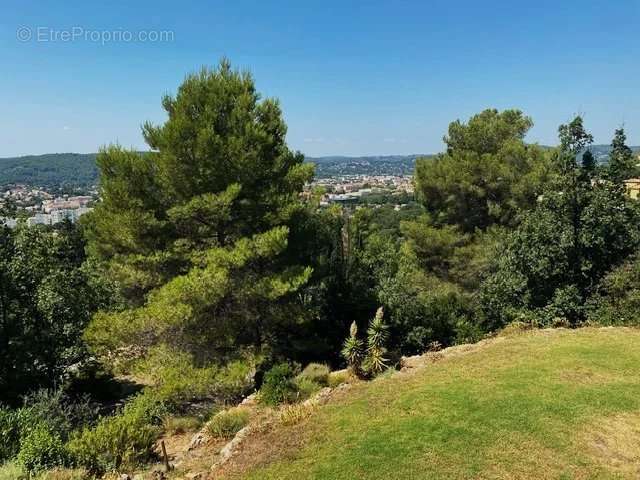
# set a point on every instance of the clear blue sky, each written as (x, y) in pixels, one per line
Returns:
(353, 78)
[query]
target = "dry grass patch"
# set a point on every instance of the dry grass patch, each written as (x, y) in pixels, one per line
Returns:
(294, 414)
(614, 443)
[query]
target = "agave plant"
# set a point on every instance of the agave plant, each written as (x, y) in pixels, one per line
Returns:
(377, 335)
(353, 350)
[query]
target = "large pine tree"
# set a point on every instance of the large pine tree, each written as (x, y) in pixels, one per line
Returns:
(196, 230)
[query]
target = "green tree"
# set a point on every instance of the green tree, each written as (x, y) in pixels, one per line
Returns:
(197, 230)
(622, 165)
(487, 173)
(47, 297)
(582, 228)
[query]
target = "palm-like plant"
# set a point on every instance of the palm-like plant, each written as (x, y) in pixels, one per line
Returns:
(353, 350)
(377, 335)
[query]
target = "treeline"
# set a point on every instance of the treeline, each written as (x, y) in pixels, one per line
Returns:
(52, 171)
(204, 274)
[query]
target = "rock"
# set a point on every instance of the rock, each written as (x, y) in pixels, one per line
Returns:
(198, 439)
(194, 476)
(250, 400)
(229, 449)
(319, 397)
(124, 476)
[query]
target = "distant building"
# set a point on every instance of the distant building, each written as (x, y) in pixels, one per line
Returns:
(633, 187)
(39, 219)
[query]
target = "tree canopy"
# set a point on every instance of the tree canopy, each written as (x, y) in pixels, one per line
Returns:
(196, 231)
(487, 174)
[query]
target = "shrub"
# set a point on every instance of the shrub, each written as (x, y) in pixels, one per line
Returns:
(227, 423)
(515, 328)
(59, 412)
(176, 425)
(294, 414)
(127, 438)
(316, 372)
(278, 386)
(468, 332)
(338, 378)
(305, 387)
(177, 380)
(42, 450)
(617, 298)
(235, 380)
(12, 471)
(10, 427)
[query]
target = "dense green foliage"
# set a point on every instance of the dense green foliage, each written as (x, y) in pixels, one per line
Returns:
(486, 175)
(227, 423)
(47, 297)
(552, 263)
(126, 438)
(51, 171)
(279, 386)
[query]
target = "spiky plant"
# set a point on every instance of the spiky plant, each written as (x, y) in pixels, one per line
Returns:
(352, 350)
(377, 335)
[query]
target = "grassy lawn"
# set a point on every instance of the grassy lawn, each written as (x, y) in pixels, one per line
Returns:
(549, 404)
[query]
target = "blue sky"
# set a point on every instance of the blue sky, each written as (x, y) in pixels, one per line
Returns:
(353, 78)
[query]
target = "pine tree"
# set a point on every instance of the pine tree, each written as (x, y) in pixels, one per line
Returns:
(621, 161)
(196, 231)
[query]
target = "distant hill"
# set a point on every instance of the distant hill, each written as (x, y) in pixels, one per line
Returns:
(50, 170)
(601, 152)
(79, 169)
(369, 165)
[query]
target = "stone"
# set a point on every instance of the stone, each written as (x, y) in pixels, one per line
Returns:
(195, 476)
(198, 439)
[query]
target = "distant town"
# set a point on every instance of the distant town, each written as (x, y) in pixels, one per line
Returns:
(40, 206)
(37, 206)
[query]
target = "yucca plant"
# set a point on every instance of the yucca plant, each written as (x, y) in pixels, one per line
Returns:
(353, 350)
(377, 335)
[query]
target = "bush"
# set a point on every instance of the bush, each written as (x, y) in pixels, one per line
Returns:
(235, 380)
(227, 423)
(176, 425)
(338, 378)
(42, 450)
(10, 426)
(127, 438)
(12, 471)
(278, 386)
(317, 373)
(617, 299)
(294, 414)
(59, 412)
(305, 387)
(177, 380)
(515, 328)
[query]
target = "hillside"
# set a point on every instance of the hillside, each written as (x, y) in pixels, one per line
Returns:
(50, 170)
(548, 404)
(79, 169)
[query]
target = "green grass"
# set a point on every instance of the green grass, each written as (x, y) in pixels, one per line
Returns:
(530, 406)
